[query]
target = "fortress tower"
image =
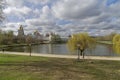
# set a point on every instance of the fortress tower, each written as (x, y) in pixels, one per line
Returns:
(21, 32)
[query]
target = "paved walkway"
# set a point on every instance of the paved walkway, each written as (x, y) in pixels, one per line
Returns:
(64, 56)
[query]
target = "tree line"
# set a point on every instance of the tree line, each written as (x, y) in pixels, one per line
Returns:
(9, 38)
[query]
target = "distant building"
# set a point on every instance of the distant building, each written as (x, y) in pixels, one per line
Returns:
(47, 37)
(38, 36)
(21, 35)
(21, 32)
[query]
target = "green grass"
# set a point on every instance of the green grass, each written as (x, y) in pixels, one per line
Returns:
(105, 42)
(14, 67)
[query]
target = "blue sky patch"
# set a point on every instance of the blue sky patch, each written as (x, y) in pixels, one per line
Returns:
(109, 2)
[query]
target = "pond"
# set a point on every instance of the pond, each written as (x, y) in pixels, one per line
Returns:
(100, 50)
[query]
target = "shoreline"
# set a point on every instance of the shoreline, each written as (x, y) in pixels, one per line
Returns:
(63, 56)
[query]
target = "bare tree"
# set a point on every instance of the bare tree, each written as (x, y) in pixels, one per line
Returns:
(2, 5)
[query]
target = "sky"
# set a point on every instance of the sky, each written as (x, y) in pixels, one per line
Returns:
(64, 17)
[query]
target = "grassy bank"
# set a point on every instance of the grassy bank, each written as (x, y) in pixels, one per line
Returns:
(13, 45)
(14, 67)
(105, 42)
(16, 45)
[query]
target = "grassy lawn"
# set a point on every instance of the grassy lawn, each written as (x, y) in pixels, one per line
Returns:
(14, 67)
(105, 42)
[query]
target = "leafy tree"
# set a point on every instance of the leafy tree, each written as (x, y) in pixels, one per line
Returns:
(116, 43)
(6, 37)
(10, 36)
(56, 38)
(81, 42)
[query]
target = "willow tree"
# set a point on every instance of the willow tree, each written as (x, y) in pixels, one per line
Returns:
(80, 42)
(116, 43)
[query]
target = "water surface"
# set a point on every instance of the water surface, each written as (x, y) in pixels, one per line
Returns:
(100, 50)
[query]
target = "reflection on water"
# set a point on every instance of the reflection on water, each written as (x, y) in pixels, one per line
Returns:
(51, 49)
(100, 50)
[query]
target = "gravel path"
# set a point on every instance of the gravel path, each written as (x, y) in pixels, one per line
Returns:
(64, 56)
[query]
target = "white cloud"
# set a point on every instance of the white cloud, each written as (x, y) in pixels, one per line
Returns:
(46, 13)
(17, 11)
(11, 26)
(44, 19)
(39, 22)
(17, 3)
(38, 1)
(76, 9)
(92, 16)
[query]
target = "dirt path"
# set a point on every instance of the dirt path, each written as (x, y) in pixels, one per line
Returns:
(64, 56)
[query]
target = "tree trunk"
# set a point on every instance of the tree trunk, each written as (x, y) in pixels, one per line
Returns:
(83, 55)
(78, 54)
(30, 49)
